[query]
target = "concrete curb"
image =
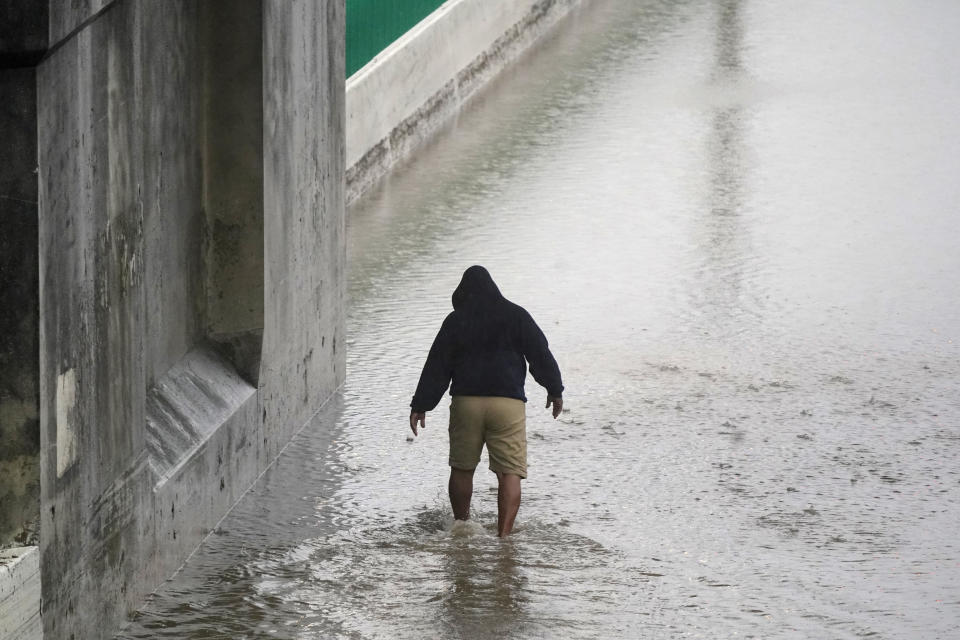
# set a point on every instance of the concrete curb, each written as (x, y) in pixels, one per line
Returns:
(20, 594)
(398, 99)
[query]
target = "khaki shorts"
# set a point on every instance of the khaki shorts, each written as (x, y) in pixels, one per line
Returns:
(498, 422)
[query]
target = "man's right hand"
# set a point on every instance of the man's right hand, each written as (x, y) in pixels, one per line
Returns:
(415, 417)
(557, 403)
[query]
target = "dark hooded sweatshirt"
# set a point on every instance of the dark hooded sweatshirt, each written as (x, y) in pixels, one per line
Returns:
(483, 347)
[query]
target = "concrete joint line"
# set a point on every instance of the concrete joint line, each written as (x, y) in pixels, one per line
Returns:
(76, 31)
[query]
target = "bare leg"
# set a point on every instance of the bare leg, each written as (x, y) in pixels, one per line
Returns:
(508, 502)
(460, 488)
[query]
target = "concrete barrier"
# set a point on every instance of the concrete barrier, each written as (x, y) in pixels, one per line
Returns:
(20, 594)
(398, 99)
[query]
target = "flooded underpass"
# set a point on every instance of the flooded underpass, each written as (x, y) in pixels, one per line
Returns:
(736, 223)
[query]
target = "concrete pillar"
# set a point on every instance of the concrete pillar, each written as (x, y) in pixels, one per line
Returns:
(120, 241)
(191, 276)
(304, 234)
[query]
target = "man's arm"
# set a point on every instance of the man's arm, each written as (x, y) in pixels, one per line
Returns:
(543, 366)
(435, 377)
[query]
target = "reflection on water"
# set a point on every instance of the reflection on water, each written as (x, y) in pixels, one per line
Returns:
(736, 223)
(725, 243)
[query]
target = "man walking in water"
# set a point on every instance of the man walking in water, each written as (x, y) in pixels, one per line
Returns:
(483, 347)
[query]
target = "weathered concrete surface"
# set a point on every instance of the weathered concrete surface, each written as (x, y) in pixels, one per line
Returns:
(19, 363)
(233, 177)
(398, 99)
(20, 594)
(304, 235)
(119, 180)
(166, 386)
(70, 15)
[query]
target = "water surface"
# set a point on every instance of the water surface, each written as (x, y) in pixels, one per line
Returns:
(737, 224)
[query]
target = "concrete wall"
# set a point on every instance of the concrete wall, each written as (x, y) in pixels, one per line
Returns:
(191, 276)
(404, 94)
(23, 39)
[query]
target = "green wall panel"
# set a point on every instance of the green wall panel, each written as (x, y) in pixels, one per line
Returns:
(373, 24)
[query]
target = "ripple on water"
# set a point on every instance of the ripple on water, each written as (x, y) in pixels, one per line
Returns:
(432, 575)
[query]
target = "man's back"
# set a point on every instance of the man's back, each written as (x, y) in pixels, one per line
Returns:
(483, 347)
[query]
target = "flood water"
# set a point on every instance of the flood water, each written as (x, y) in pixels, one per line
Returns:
(737, 224)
